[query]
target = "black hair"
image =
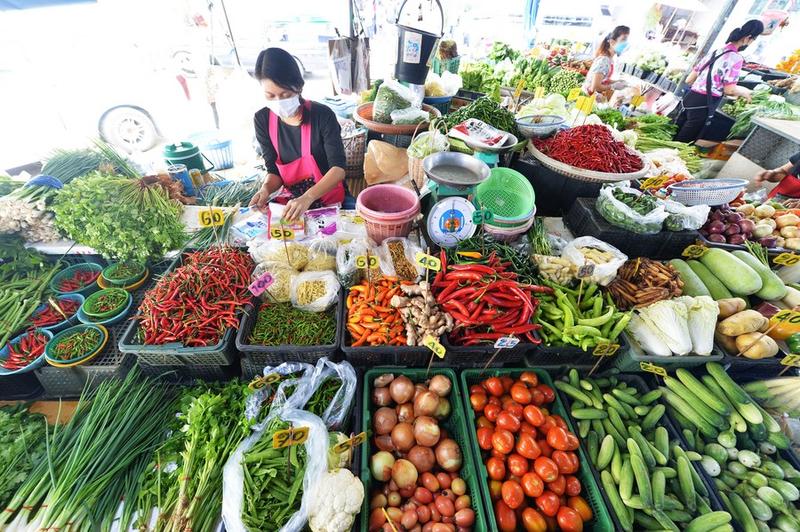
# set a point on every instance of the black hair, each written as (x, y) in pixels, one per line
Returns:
(278, 65)
(605, 46)
(751, 28)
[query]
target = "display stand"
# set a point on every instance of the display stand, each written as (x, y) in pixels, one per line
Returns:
(769, 145)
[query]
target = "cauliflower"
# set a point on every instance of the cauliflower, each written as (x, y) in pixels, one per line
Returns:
(337, 460)
(335, 501)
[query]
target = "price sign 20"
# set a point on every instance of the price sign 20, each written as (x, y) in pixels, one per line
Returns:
(787, 259)
(605, 350)
(694, 251)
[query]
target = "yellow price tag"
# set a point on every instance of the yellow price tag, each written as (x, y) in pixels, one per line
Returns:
(588, 104)
(652, 368)
(211, 217)
(636, 101)
(358, 220)
(694, 251)
(349, 443)
(361, 262)
(281, 233)
(605, 350)
(272, 378)
(433, 344)
(791, 360)
(573, 94)
(428, 261)
(787, 315)
(292, 436)
(786, 259)
(538, 92)
(518, 90)
(655, 182)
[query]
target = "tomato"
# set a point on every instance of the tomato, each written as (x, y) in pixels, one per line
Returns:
(478, 401)
(498, 454)
(491, 412)
(532, 484)
(515, 409)
(557, 438)
(503, 441)
(537, 397)
(518, 465)
(569, 520)
(494, 386)
(506, 519)
(567, 462)
(527, 446)
(546, 468)
(558, 486)
(573, 486)
(533, 415)
(527, 428)
(521, 394)
(533, 521)
(494, 489)
(529, 377)
(548, 503)
(483, 422)
(495, 401)
(548, 424)
(496, 468)
(476, 388)
(507, 421)
(549, 394)
(485, 438)
(560, 422)
(545, 447)
(580, 505)
(512, 494)
(508, 382)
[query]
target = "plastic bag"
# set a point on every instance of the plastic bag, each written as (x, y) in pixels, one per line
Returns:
(280, 291)
(410, 116)
(321, 255)
(384, 163)
(428, 143)
(602, 273)
(316, 447)
(619, 214)
(288, 254)
(683, 218)
(398, 258)
(255, 402)
(348, 272)
(314, 291)
(321, 222)
(390, 97)
(337, 413)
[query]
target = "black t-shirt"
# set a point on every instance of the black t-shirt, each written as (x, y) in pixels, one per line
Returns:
(795, 160)
(326, 140)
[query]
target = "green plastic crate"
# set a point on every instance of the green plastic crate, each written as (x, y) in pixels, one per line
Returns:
(601, 521)
(455, 425)
(629, 360)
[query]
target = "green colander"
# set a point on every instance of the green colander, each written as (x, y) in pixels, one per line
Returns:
(508, 195)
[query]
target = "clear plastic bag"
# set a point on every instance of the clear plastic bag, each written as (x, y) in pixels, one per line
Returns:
(322, 255)
(683, 218)
(337, 412)
(391, 96)
(290, 254)
(255, 402)
(401, 263)
(601, 273)
(409, 116)
(621, 215)
(316, 447)
(347, 271)
(280, 291)
(314, 291)
(427, 143)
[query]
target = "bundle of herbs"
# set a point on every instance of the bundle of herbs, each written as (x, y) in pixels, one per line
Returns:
(19, 298)
(22, 446)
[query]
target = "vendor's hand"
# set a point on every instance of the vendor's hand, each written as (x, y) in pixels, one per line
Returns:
(296, 207)
(748, 97)
(260, 200)
(773, 176)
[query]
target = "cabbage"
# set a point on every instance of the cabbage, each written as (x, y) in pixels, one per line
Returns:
(647, 339)
(555, 101)
(545, 106)
(669, 320)
(703, 312)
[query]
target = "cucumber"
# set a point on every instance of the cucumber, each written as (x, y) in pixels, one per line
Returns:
(645, 521)
(649, 397)
(616, 464)
(662, 441)
(686, 483)
(707, 522)
(606, 452)
(717, 452)
(617, 505)
(653, 416)
(617, 423)
(692, 284)
(698, 389)
(713, 285)
(659, 486)
(708, 413)
(772, 287)
(784, 523)
(742, 512)
(758, 508)
(640, 473)
(588, 413)
(626, 480)
(735, 274)
(771, 496)
(787, 490)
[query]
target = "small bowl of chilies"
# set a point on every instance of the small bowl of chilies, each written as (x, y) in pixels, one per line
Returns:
(76, 345)
(24, 353)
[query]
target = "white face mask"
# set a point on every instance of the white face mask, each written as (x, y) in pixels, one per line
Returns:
(284, 108)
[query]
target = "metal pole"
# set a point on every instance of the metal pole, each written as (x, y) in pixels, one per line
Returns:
(350, 18)
(230, 32)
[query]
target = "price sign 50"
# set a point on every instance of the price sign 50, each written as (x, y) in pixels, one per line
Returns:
(281, 233)
(292, 436)
(347, 444)
(211, 217)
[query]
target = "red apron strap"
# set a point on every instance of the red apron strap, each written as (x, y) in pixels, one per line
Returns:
(305, 133)
(273, 135)
(789, 186)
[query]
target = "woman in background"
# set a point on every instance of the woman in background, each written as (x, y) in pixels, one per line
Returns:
(598, 80)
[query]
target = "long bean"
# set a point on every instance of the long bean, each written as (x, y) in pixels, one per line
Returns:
(282, 324)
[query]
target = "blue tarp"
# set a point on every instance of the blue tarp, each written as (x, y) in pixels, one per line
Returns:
(7, 5)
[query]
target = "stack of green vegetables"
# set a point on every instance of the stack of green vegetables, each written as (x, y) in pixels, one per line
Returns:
(500, 51)
(22, 447)
(654, 126)
(8, 185)
(120, 217)
(563, 81)
(282, 324)
(488, 111)
(763, 103)
(231, 193)
(533, 73)
(645, 474)
(20, 295)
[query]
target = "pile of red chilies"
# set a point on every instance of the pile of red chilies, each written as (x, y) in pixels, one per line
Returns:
(28, 349)
(78, 280)
(50, 316)
(590, 147)
(195, 303)
(486, 301)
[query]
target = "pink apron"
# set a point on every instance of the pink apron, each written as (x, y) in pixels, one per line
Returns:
(303, 173)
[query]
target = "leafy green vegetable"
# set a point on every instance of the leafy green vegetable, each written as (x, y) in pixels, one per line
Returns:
(501, 51)
(612, 117)
(654, 126)
(22, 444)
(387, 100)
(563, 81)
(488, 111)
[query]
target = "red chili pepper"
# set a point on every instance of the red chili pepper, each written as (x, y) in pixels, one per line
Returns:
(463, 276)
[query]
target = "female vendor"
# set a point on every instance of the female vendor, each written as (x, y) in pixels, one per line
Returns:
(787, 177)
(301, 141)
(598, 80)
(716, 75)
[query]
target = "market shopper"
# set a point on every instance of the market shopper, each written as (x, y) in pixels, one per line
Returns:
(716, 75)
(300, 139)
(787, 177)
(598, 80)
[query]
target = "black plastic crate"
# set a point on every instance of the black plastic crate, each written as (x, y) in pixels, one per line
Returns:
(262, 355)
(20, 387)
(571, 356)
(477, 356)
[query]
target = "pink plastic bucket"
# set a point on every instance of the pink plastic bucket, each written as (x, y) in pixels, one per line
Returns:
(388, 210)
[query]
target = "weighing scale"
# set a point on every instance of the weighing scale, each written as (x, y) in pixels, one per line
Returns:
(491, 156)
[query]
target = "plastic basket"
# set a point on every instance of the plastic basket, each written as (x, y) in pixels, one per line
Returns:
(570, 356)
(123, 281)
(72, 320)
(456, 426)
(538, 126)
(508, 195)
(631, 358)
(707, 191)
(18, 387)
(263, 355)
(112, 320)
(478, 355)
(108, 313)
(440, 103)
(445, 65)
(354, 148)
(80, 358)
(4, 352)
(175, 354)
(587, 175)
(67, 272)
(601, 520)
(763, 368)
(217, 150)
(507, 234)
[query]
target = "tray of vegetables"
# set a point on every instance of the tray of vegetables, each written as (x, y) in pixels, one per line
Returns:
(24, 353)
(57, 313)
(79, 278)
(528, 455)
(778, 230)
(76, 345)
(416, 467)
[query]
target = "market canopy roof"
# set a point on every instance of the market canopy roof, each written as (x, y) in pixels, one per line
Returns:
(7, 5)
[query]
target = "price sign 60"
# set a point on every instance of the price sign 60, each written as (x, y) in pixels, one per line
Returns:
(362, 261)
(211, 217)
(292, 436)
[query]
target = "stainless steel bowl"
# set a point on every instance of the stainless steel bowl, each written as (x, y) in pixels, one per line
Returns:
(469, 170)
(538, 126)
